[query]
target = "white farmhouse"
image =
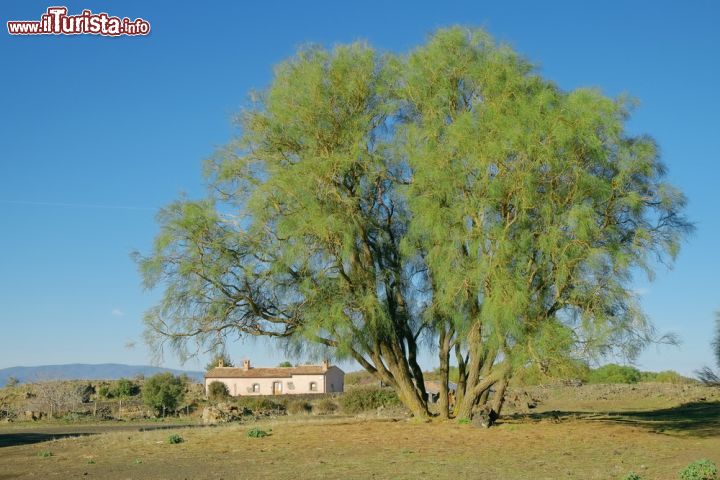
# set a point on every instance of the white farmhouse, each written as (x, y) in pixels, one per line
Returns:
(302, 379)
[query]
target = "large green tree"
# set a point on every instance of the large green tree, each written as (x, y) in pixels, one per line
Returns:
(451, 199)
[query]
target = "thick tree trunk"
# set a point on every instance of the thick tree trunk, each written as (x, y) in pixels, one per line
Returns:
(464, 405)
(491, 413)
(444, 354)
(498, 399)
(402, 381)
(498, 373)
(462, 377)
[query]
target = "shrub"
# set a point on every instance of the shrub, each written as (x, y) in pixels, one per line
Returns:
(257, 433)
(632, 476)
(667, 376)
(326, 406)
(700, 470)
(613, 373)
(218, 391)
(104, 391)
(296, 407)
(464, 421)
(362, 399)
(260, 405)
(125, 388)
(45, 453)
(175, 439)
(163, 391)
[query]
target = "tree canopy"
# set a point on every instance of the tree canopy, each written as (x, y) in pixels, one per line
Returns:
(375, 205)
(217, 359)
(163, 392)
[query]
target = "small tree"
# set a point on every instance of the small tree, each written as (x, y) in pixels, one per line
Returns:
(285, 364)
(163, 392)
(219, 358)
(12, 381)
(706, 374)
(218, 391)
(57, 396)
(125, 388)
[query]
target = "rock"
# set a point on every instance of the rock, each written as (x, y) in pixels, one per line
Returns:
(212, 415)
(484, 419)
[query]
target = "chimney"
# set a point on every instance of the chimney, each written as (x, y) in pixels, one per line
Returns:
(246, 365)
(221, 363)
(325, 366)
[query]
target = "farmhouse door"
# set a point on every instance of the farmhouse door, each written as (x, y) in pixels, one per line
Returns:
(277, 388)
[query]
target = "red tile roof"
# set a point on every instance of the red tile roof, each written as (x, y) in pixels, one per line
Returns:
(276, 372)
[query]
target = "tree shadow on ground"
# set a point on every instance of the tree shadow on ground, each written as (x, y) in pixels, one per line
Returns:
(12, 439)
(25, 438)
(698, 419)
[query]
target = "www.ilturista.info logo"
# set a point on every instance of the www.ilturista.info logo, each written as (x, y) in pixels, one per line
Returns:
(57, 22)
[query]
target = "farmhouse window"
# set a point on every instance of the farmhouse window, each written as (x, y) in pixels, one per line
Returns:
(313, 386)
(256, 387)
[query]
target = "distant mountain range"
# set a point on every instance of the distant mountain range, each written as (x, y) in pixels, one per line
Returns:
(82, 371)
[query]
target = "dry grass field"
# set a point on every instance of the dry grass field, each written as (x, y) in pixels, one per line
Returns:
(548, 443)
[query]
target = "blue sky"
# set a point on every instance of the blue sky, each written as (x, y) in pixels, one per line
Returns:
(98, 133)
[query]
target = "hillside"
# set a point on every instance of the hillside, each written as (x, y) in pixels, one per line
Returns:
(82, 371)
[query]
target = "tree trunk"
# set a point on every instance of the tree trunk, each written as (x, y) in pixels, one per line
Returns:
(404, 386)
(498, 373)
(462, 377)
(463, 408)
(493, 413)
(444, 354)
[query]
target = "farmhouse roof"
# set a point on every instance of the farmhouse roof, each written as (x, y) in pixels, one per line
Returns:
(275, 372)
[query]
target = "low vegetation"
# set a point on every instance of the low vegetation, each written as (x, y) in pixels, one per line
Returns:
(257, 433)
(296, 407)
(700, 470)
(363, 399)
(218, 391)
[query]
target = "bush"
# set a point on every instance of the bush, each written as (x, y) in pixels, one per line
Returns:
(125, 388)
(218, 391)
(613, 373)
(326, 406)
(668, 376)
(632, 476)
(700, 470)
(175, 439)
(163, 391)
(257, 433)
(104, 391)
(260, 405)
(362, 399)
(296, 407)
